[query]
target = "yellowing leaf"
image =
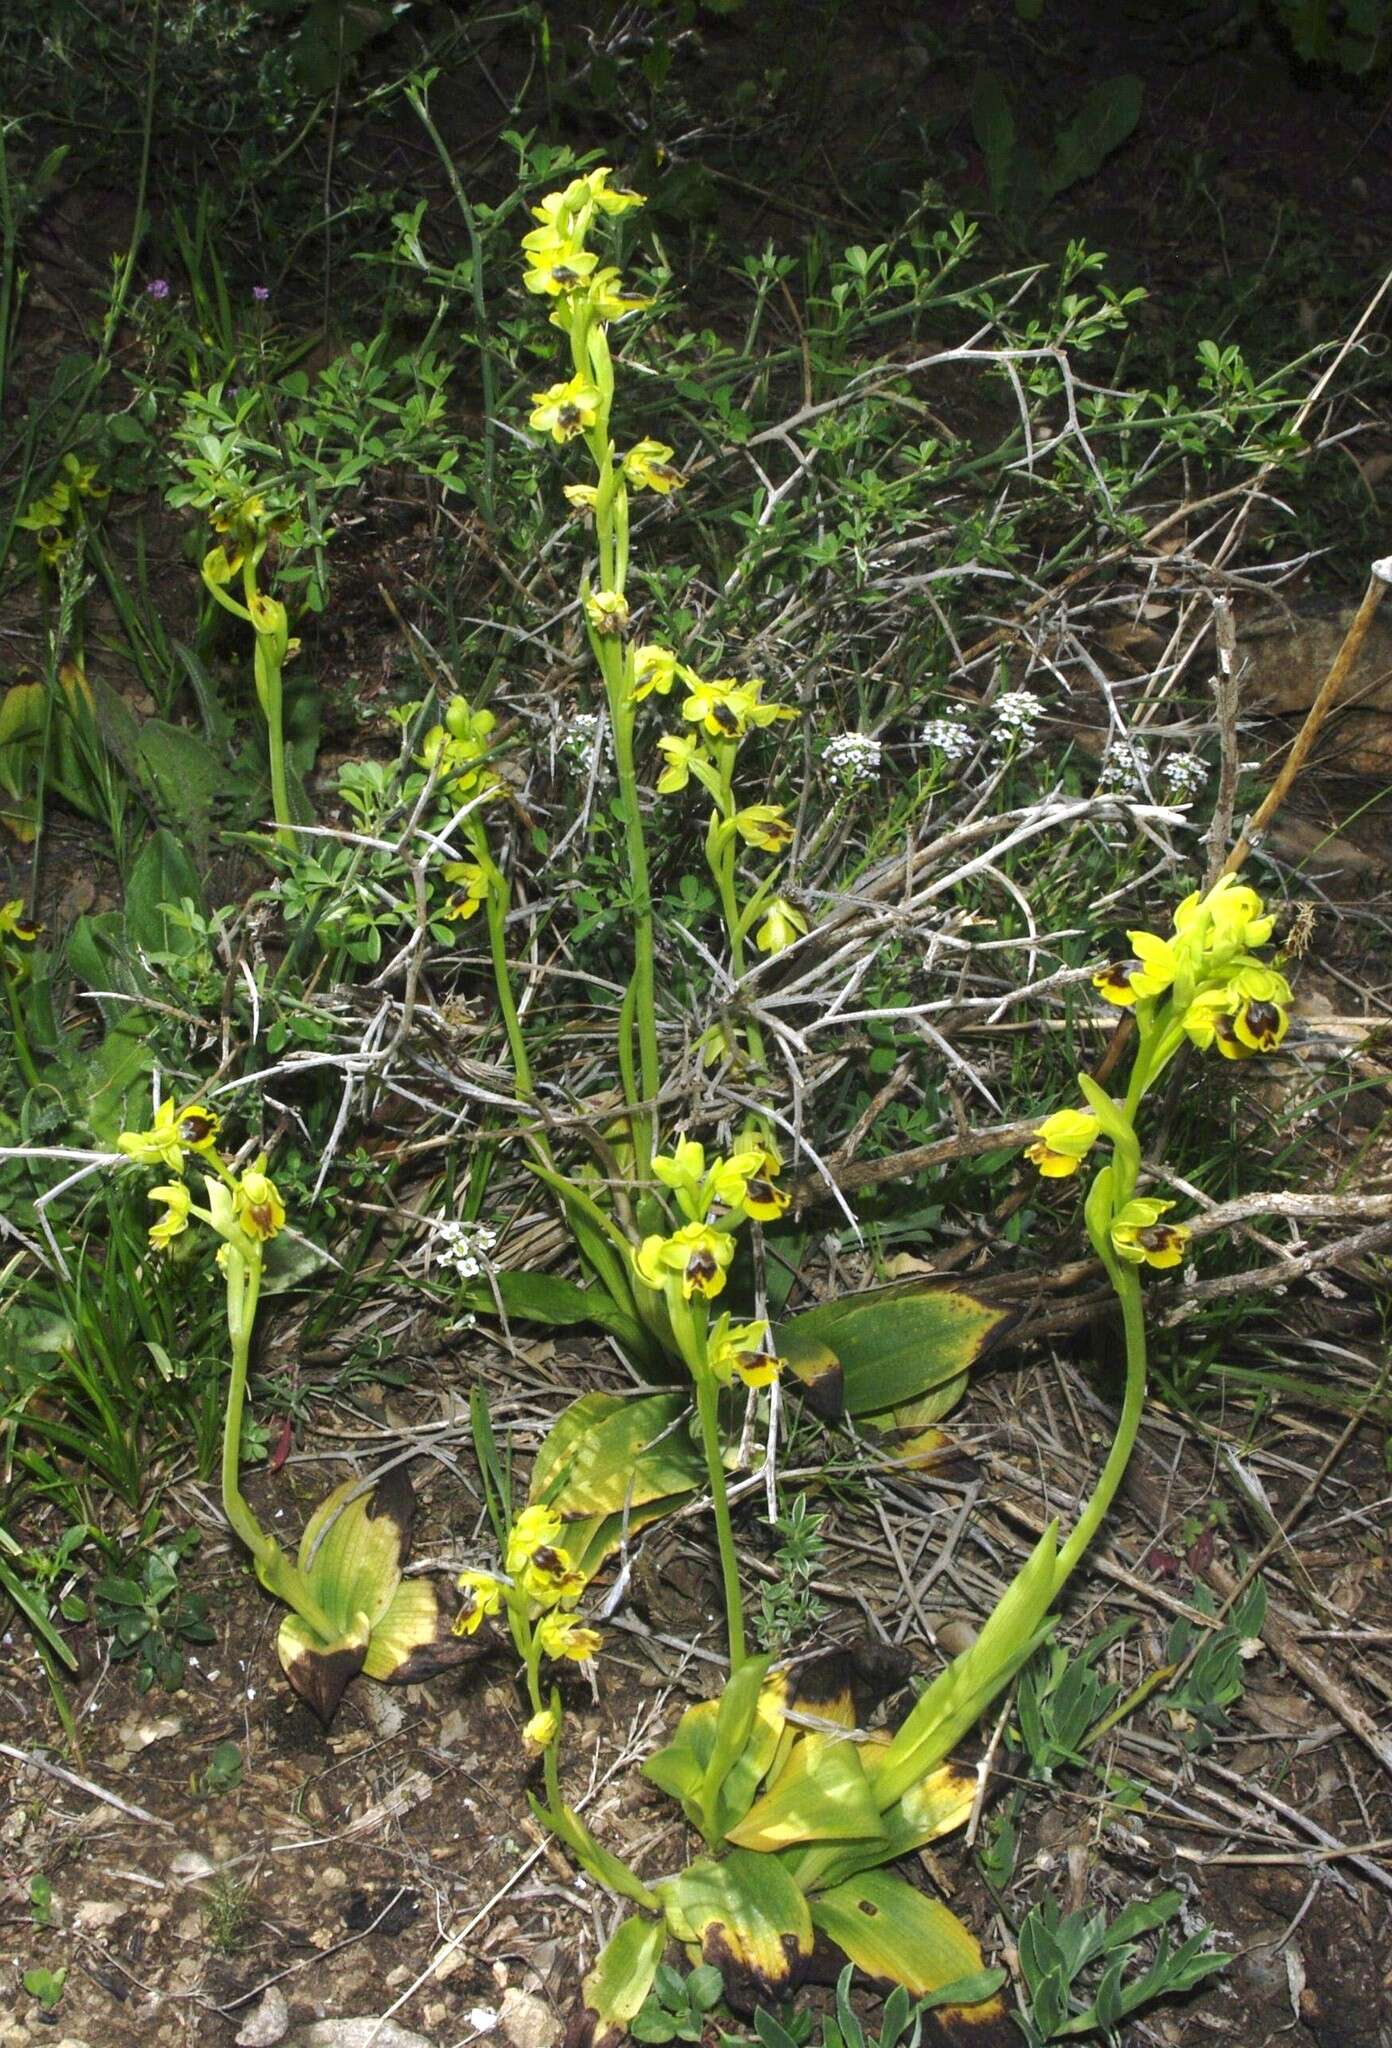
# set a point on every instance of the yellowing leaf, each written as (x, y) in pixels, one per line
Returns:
(352, 1550)
(820, 1796)
(614, 1990)
(748, 1919)
(321, 1671)
(604, 1454)
(897, 1935)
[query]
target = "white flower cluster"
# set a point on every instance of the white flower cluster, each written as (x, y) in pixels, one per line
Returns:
(1125, 767)
(584, 731)
(952, 739)
(1017, 716)
(1185, 775)
(463, 1247)
(851, 759)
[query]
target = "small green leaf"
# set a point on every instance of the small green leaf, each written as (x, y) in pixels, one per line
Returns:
(612, 1993)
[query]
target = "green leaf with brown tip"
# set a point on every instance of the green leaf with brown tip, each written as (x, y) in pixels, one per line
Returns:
(748, 1919)
(890, 1345)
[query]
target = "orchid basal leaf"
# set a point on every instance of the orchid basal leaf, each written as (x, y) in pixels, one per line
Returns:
(897, 1935)
(821, 1795)
(748, 1919)
(865, 1353)
(352, 1550)
(320, 1670)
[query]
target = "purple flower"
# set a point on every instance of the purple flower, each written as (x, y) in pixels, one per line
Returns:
(157, 288)
(260, 292)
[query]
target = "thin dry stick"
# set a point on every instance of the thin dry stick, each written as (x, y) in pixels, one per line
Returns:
(1379, 576)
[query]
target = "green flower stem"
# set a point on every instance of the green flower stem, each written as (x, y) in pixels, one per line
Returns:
(495, 914)
(644, 953)
(267, 664)
(273, 704)
(708, 1415)
(273, 1568)
(1128, 1288)
(721, 856)
(21, 1037)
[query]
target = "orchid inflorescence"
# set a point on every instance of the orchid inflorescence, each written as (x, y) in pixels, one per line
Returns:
(1205, 986)
(538, 1590)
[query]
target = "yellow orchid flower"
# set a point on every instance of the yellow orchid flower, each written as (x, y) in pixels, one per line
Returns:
(683, 1169)
(607, 612)
(538, 1562)
(260, 1211)
(698, 1185)
(1260, 1019)
(782, 925)
(560, 1636)
(1208, 1021)
(176, 1199)
(741, 1350)
(610, 198)
(536, 1528)
(654, 669)
(1149, 972)
(648, 467)
(555, 264)
(583, 497)
(15, 925)
(1236, 918)
(1139, 1237)
(765, 825)
(678, 753)
(482, 1596)
(564, 410)
(1062, 1142)
(608, 298)
(160, 1145)
(695, 1253)
(764, 1201)
(469, 891)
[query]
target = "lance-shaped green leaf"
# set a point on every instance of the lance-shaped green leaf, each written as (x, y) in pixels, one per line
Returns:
(734, 1725)
(613, 1991)
(935, 1806)
(959, 1695)
(609, 1466)
(865, 1353)
(821, 1795)
(350, 1566)
(592, 1856)
(748, 1919)
(680, 1768)
(897, 1935)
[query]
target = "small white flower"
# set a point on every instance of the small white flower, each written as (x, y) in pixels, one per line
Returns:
(584, 731)
(950, 737)
(463, 1247)
(851, 759)
(1017, 716)
(1125, 766)
(1185, 775)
